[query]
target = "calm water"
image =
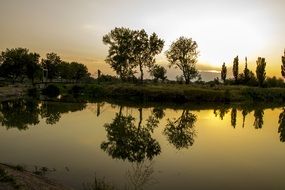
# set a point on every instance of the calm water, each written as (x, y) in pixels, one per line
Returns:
(147, 148)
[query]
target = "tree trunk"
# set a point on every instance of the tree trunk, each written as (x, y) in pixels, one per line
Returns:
(141, 70)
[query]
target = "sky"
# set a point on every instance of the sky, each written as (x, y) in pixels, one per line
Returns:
(74, 29)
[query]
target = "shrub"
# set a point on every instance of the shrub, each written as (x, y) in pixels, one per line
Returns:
(51, 91)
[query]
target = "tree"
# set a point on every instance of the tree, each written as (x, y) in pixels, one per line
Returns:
(32, 66)
(283, 65)
(224, 72)
(145, 49)
(246, 72)
(13, 62)
(234, 117)
(78, 71)
(235, 68)
(260, 71)
(120, 54)
(183, 54)
(51, 63)
(158, 72)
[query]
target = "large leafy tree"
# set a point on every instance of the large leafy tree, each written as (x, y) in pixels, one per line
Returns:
(50, 64)
(235, 68)
(224, 72)
(13, 63)
(78, 71)
(145, 48)
(120, 55)
(183, 54)
(260, 70)
(283, 65)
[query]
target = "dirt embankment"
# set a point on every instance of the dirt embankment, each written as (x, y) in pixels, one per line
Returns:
(14, 178)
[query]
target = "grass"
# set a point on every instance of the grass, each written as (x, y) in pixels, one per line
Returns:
(177, 93)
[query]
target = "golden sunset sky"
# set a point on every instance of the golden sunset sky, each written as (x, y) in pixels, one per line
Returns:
(74, 29)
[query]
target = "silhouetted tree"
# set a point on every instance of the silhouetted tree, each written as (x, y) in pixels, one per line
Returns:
(181, 132)
(13, 62)
(120, 56)
(234, 117)
(32, 66)
(51, 64)
(235, 68)
(78, 71)
(158, 72)
(145, 48)
(246, 72)
(258, 118)
(183, 54)
(260, 71)
(126, 141)
(224, 72)
(283, 65)
(281, 128)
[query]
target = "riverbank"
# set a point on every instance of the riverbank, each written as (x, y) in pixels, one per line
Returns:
(15, 178)
(176, 93)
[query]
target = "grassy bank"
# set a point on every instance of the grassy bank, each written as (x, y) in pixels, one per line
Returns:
(175, 93)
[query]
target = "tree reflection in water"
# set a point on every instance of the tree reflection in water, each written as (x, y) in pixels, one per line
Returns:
(128, 141)
(258, 118)
(281, 129)
(181, 132)
(140, 176)
(22, 113)
(19, 114)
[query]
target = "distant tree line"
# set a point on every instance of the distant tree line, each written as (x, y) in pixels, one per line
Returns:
(18, 65)
(249, 78)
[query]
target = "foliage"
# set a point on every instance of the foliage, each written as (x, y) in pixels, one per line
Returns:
(18, 63)
(283, 65)
(224, 72)
(260, 70)
(51, 91)
(183, 54)
(158, 72)
(247, 75)
(50, 64)
(120, 56)
(274, 82)
(131, 48)
(144, 49)
(235, 68)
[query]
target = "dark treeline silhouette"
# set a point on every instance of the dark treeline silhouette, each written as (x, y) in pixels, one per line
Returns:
(23, 113)
(247, 77)
(20, 65)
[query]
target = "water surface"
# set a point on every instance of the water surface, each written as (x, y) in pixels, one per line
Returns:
(229, 147)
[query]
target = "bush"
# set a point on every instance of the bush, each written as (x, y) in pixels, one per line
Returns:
(51, 91)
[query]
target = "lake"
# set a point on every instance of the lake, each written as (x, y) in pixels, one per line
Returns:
(149, 146)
